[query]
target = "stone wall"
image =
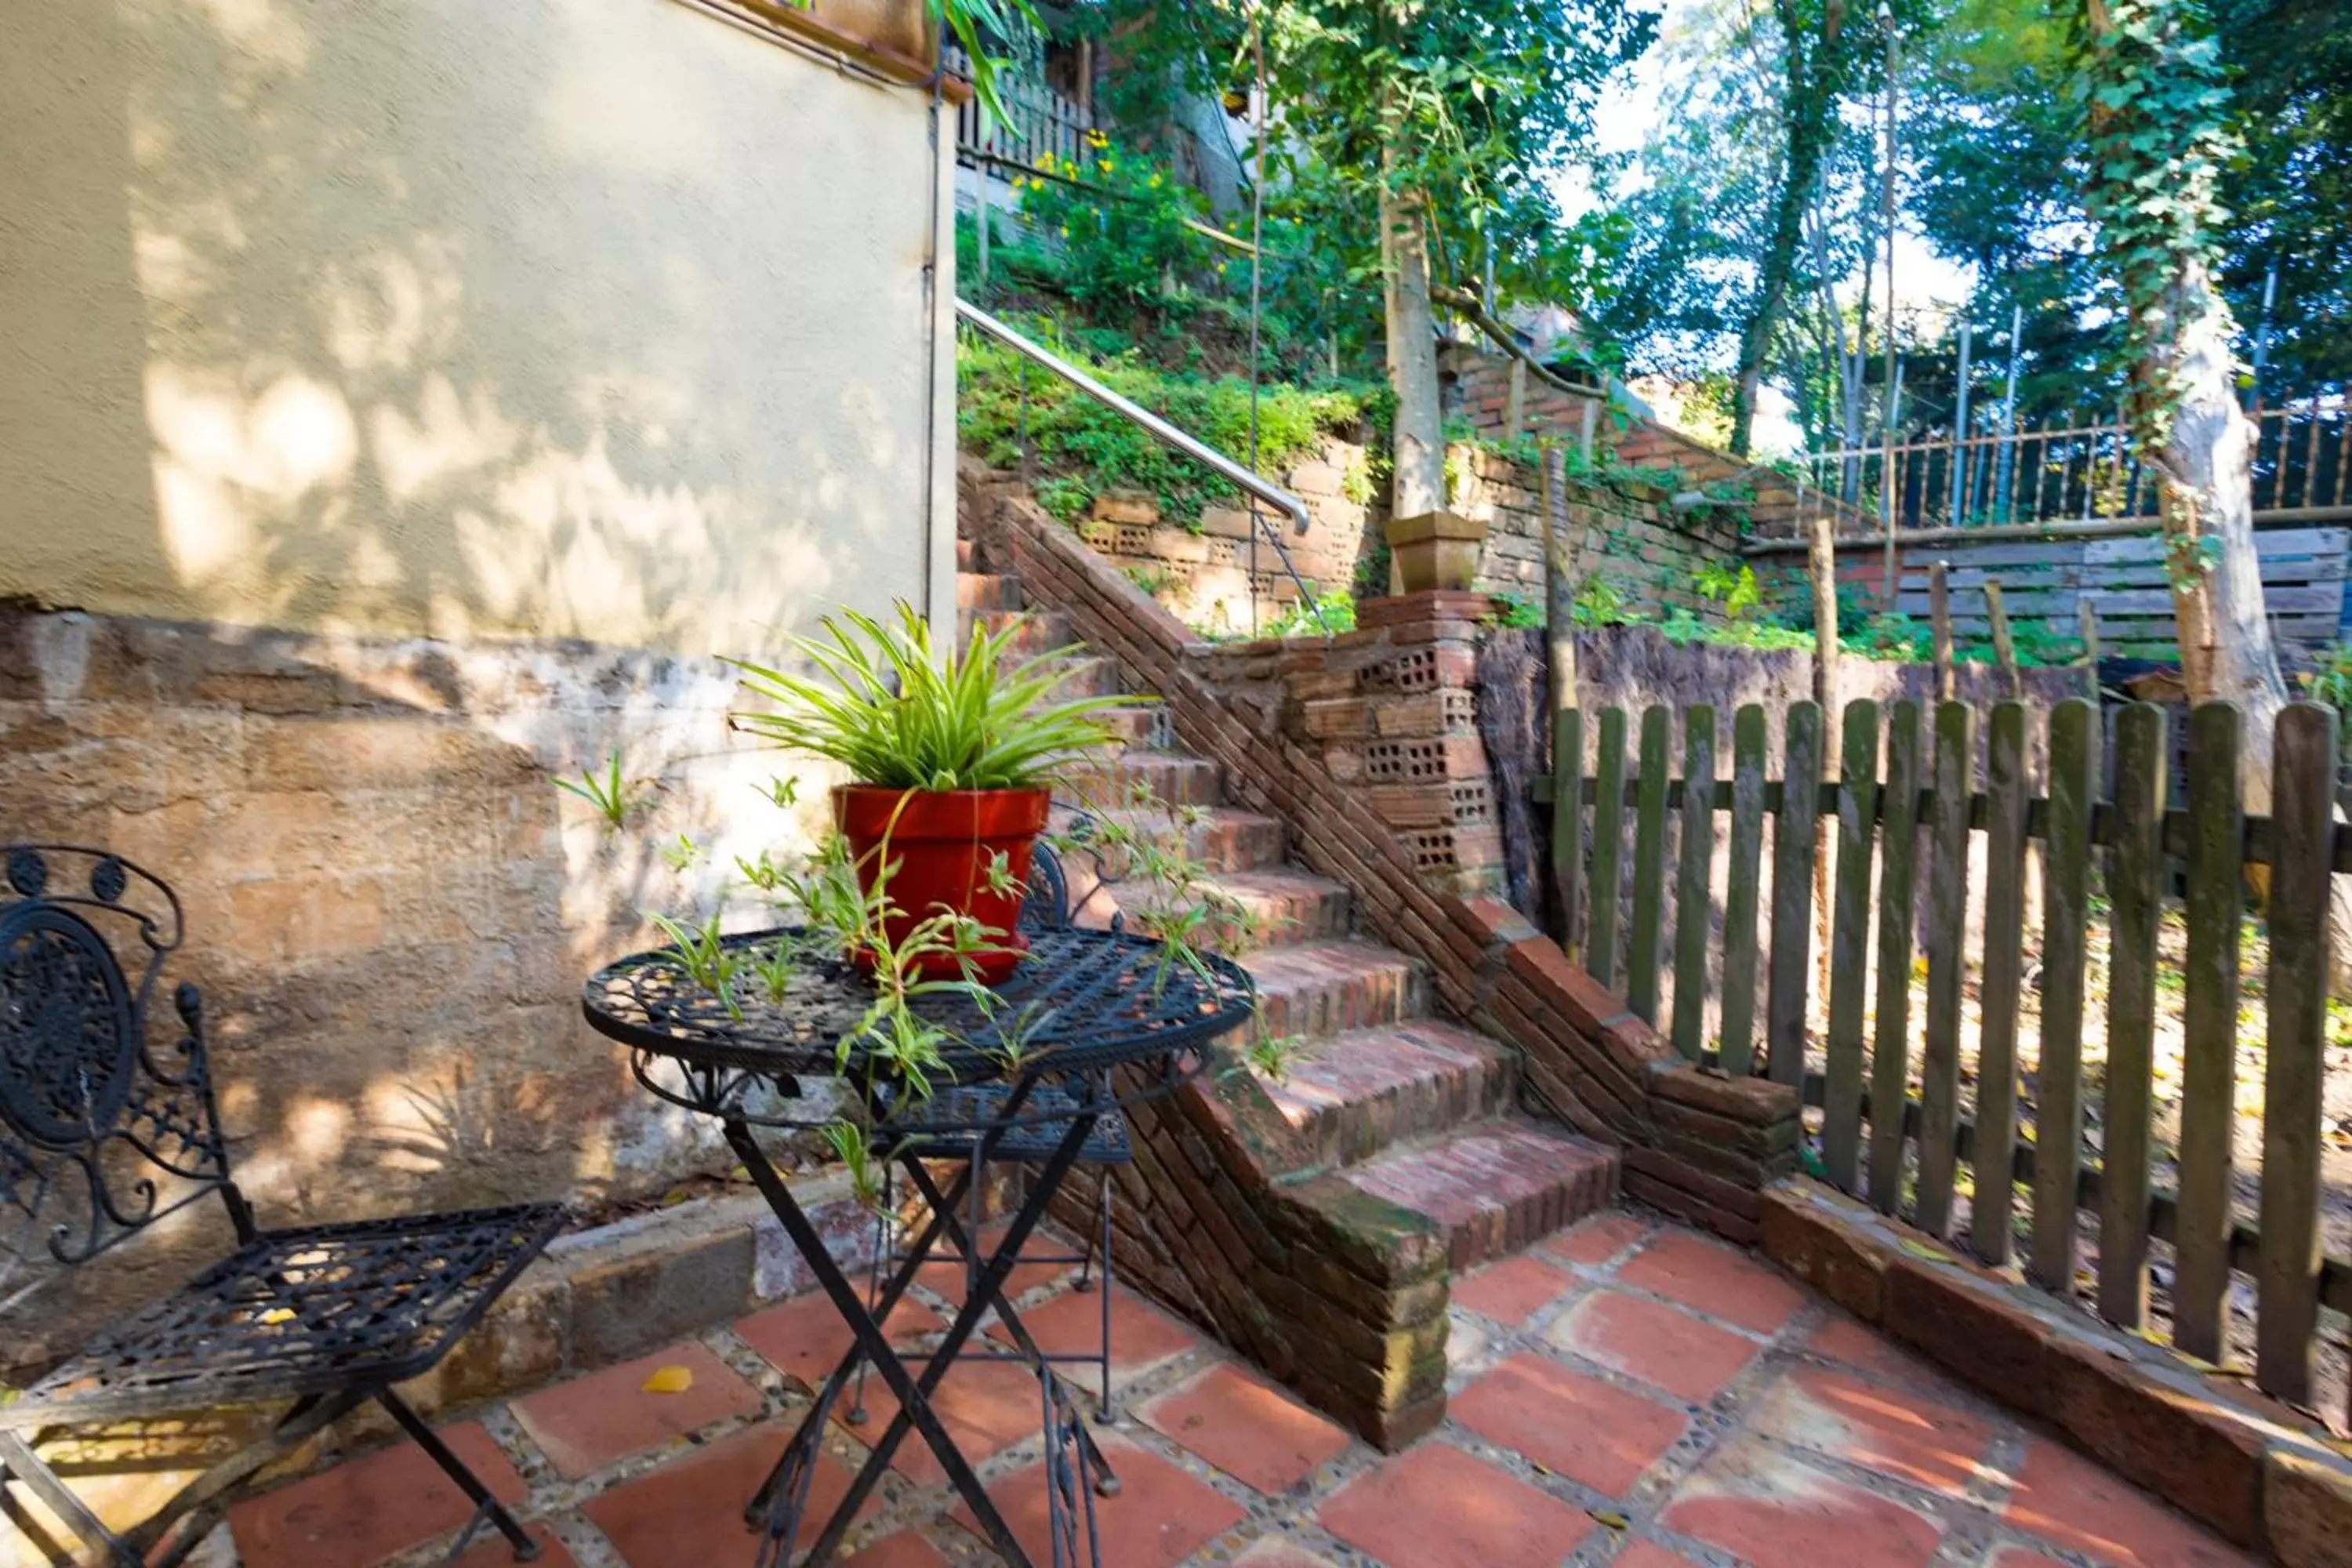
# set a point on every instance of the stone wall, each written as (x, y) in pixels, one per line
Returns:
(1226, 1216)
(1207, 575)
(1627, 533)
(1626, 530)
(390, 907)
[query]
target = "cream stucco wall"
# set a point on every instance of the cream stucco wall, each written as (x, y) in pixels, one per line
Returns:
(562, 318)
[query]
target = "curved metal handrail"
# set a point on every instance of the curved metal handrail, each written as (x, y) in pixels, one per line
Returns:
(1168, 435)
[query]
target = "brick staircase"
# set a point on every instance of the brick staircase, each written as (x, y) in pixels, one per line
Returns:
(1397, 1103)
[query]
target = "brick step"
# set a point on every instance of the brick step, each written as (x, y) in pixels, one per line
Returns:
(1326, 988)
(1222, 838)
(1172, 778)
(1494, 1187)
(1040, 631)
(1090, 675)
(982, 591)
(1359, 1094)
(1291, 907)
(1145, 724)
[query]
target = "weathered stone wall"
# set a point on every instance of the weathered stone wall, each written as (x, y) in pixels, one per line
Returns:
(1227, 1217)
(1207, 576)
(390, 907)
(1627, 533)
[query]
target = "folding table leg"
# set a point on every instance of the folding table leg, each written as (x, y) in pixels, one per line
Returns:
(913, 1395)
(1018, 1331)
(486, 1506)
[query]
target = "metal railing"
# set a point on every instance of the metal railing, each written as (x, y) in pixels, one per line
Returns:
(1216, 462)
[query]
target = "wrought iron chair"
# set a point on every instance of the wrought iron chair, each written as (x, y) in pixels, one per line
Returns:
(1045, 908)
(107, 1125)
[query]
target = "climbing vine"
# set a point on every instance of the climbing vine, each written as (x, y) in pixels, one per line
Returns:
(2150, 78)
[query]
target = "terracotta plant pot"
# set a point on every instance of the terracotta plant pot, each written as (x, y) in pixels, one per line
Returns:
(941, 842)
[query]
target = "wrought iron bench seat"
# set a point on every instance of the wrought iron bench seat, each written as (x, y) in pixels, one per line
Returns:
(296, 1312)
(107, 1125)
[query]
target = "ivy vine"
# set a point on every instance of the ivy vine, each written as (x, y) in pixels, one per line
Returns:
(2150, 78)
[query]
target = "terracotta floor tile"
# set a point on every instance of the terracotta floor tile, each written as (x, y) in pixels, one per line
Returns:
(2022, 1557)
(1903, 1435)
(1578, 1426)
(1256, 1434)
(1660, 1345)
(490, 1551)
(805, 1339)
(1843, 1339)
(1141, 1335)
(586, 1424)
(986, 1407)
(904, 1550)
(1715, 1280)
(1436, 1507)
(689, 1513)
(1515, 1289)
(367, 1510)
(1597, 1239)
(2067, 1500)
(1774, 1512)
(1159, 1517)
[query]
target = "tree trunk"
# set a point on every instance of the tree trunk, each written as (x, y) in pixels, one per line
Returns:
(1815, 81)
(1419, 437)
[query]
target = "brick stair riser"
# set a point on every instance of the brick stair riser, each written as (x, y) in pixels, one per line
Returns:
(1087, 676)
(1319, 1008)
(1170, 779)
(1284, 921)
(979, 591)
(1355, 1131)
(1528, 1220)
(1040, 631)
(1225, 843)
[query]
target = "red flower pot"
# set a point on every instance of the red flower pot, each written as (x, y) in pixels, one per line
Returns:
(941, 842)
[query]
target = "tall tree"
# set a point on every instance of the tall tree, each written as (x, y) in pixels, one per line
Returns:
(1818, 51)
(2156, 112)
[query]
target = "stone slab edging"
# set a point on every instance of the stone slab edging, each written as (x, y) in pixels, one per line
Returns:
(2254, 1471)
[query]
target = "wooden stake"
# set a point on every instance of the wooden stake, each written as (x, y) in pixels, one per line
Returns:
(2089, 649)
(1825, 662)
(1939, 610)
(2004, 651)
(1559, 586)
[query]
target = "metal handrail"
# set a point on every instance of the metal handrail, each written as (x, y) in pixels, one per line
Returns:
(1168, 435)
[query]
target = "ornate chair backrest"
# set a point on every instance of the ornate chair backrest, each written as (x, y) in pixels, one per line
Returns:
(106, 1120)
(1048, 905)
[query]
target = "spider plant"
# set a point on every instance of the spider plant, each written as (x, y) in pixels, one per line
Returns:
(897, 712)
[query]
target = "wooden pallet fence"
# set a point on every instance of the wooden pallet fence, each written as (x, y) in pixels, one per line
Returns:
(1911, 818)
(2122, 583)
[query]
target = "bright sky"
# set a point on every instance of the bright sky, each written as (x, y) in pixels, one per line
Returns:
(1629, 111)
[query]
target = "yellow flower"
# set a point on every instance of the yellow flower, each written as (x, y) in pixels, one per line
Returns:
(1106, 165)
(1065, 231)
(1153, 182)
(1097, 139)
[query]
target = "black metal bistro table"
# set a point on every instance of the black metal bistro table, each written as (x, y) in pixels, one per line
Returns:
(1039, 1067)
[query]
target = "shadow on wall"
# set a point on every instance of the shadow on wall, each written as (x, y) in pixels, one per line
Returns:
(598, 319)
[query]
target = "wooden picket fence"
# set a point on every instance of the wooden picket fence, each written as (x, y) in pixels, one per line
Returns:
(1904, 1150)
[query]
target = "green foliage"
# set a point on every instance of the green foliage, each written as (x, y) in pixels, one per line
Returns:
(614, 798)
(1117, 219)
(1515, 612)
(896, 714)
(1082, 449)
(1338, 614)
(1734, 588)
(1853, 608)
(1599, 603)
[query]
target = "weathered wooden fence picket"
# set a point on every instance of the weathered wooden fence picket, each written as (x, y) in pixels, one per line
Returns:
(1930, 823)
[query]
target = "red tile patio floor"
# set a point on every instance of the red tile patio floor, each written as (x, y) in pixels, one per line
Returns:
(1639, 1396)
